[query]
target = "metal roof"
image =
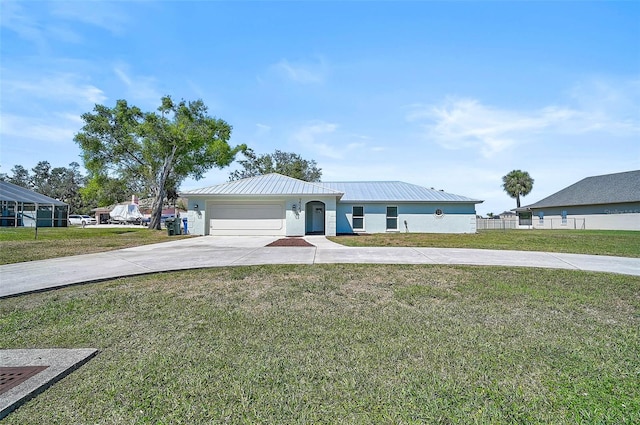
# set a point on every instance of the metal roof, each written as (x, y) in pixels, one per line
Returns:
(606, 189)
(393, 191)
(276, 184)
(265, 185)
(14, 193)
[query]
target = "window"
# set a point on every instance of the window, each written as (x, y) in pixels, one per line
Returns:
(439, 213)
(525, 219)
(392, 218)
(564, 218)
(357, 218)
(540, 217)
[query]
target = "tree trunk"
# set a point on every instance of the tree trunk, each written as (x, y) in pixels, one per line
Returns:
(160, 191)
(518, 200)
(155, 221)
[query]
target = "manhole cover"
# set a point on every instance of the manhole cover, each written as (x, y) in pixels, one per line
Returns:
(12, 376)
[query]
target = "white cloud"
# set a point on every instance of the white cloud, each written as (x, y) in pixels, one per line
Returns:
(464, 123)
(308, 136)
(59, 87)
(56, 20)
(14, 18)
(106, 15)
(301, 72)
(324, 139)
(355, 145)
(263, 128)
(467, 123)
(140, 88)
(609, 105)
(53, 130)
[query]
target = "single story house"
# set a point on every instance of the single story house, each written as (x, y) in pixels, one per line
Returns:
(278, 205)
(607, 202)
(20, 206)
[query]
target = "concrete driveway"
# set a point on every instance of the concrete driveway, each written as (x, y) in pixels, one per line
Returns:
(208, 251)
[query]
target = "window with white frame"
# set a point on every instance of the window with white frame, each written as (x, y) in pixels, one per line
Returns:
(392, 218)
(357, 217)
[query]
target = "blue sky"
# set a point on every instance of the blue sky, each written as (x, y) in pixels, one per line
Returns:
(450, 95)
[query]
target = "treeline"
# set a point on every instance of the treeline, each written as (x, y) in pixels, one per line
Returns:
(67, 184)
(61, 183)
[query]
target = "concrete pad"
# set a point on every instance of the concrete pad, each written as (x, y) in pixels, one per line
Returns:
(178, 258)
(278, 255)
(376, 255)
(60, 362)
(38, 275)
(220, 251)
(490, 257)
(322, 242)
(601, 263)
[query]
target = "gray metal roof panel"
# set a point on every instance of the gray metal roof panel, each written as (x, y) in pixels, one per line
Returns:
(606, 189)
(14, 193)
(265, 185)
(393, 191)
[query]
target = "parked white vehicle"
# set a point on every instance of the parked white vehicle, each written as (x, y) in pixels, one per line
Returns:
(81, 220)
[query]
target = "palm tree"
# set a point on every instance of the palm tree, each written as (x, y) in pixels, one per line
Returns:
(517, 183)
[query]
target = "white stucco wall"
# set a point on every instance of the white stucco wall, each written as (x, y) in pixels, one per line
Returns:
(420, 218)
(196, 216)
(296, 218)
(199, 219)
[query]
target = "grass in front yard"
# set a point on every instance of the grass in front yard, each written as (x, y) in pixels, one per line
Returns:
(597, 242)
(19, 243)
(339, 344)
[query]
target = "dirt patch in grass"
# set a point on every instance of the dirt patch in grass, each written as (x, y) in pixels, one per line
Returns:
(290, 242)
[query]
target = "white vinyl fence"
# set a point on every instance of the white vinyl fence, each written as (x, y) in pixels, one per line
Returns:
(496, 223)
(534, 223)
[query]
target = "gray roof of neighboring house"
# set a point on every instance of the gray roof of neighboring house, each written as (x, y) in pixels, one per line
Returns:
(606, 189)
(265, 185)
(393, 191)
(14, 193)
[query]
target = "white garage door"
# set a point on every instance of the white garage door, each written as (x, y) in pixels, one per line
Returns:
(247, 219)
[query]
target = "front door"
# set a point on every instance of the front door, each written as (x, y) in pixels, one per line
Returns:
(315, 218)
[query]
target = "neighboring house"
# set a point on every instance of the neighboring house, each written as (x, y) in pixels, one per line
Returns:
(274, 204)
(506, 215)
(608, 202)
(23, 207)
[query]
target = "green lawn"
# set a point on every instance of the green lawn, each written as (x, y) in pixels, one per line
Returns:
(599, 242)
(20, 244)
(357, 344)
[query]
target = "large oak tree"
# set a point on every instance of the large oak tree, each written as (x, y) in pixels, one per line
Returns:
(157, 150)
(285, 163)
